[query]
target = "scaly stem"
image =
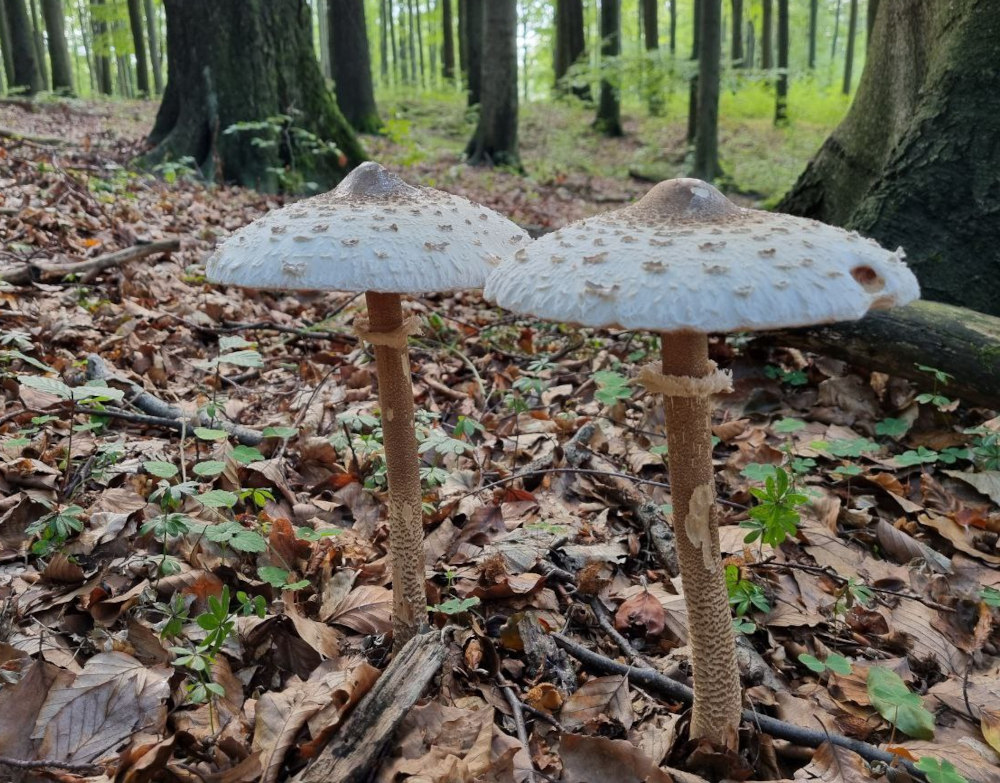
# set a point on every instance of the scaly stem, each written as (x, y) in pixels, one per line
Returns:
(406, 530)
(717, 694)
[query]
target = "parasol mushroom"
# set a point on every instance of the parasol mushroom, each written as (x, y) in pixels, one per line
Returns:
(378, 235)
(685, 261)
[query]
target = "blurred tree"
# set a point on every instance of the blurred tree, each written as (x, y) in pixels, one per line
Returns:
(852, 29)
(6, 45)
(139, 45)
(915, 161)
(651, 36)
(351, 64)
(570, 46)
(495, 141)
(609, 105)
(781, 84)
(472, 39)
(234, 67)
(766, 39)
(102, 46)
(55, 27)
(706, 138)
(736, 45)
(813, 24)
(39, 39)
(27, 77)
(155, 59)
(447, 42)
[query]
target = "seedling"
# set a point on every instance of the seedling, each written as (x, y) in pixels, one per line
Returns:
(744, 595)
(774, 518)
(612, 387)
(834, 662)
(54, 529)
(894, 702)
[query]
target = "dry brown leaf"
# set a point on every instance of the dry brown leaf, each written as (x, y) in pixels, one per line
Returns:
(974, 760)
(320, 636)
(366, 609)
(990, 726)
(904, 548)
(642, 611)
(601, 760)
(20, 704)
(544, 696)
(834, 764)
(112, 697)
(597, 701)
(338, 685)
(961, 538)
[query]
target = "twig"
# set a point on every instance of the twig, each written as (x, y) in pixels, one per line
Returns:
(46, 270)
(280, 452)
(27, 138)
(675, 691)
(522, 730)
(69, 766)
(604, 620)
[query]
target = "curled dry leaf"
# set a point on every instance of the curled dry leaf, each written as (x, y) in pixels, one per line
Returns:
(600, 700)
(366, 609)
(641, 612)
(599, 760)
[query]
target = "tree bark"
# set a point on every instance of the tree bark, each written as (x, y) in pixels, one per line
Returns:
(958, 341)
(463, 55)
(322, 17)
(852, 29)
(139, 42)
(736, 42)
(813, 20)
(102, 57)
(570, 46)
(448, 42)
(351, 64)
(420, 42)
(474, 49)
(651, 38)
(673, 27)
(609, 106)
(706, 141)
(39, 38)
(27, 78)
(914, 162)
(766, 39)
(870, 24)
(692, 124)
(233, 61)
(495, 140)
(781, 84)
(6, 45)
(55, 26)
(155, 59)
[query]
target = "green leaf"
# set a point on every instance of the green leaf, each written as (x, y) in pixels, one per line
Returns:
(248, 541)
(217, 498)
(990, 596)
(246, 454)
(48, 385)
(838, 663)
(787, 426)
(280, 432)
(204, 433)
(209, 467)
(98, 392)
(757, 471)
(894, 702)
(160, 469)
(231, 342)
(940, 771)
(455, 605)
(242, 359)
(274, 576)
(892, 428)
(812, 662)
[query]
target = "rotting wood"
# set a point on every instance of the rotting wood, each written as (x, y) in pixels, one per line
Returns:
(97, 369)
(961, 342)
(357, 749)
(48, 271)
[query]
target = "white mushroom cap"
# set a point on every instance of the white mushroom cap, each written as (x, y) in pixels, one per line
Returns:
(372, 233)
(684, 257)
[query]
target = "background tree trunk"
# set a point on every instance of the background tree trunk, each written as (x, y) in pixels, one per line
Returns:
(495, 140)
(350, 62)
(6, 45)
(27, 78)
(915, 161)
(139, 41)
(474, 49)
(448, 42)
(609, 107)
(322, 15)
(155, 60)
(781, 84)
(55, 26)
(673, 27)
(102, 56)
(692, 124)
(39, 38)
(420, 42)
(232, 61)
(852, 29)
(570, 46)
(766, 39)
(651, 36)
(706, 140)
(870, 25)
(736, 40)
(813, 20)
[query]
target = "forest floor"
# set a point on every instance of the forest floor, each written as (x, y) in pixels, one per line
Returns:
(180, 604)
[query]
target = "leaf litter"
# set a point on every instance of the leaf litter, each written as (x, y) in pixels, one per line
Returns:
(120, 533)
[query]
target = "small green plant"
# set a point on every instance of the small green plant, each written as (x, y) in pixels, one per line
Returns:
(924, 456)
(940, 771)
(934, 398)
(990, 596)
(54, 529)
(257, 496)
(986, 451)
(791, 377)
(281, 578)
(775, 517)
(744, 595)
(455, 606)
(897, 704)
(172, 170)
(852, 593)
(834, 662)
(612, 387)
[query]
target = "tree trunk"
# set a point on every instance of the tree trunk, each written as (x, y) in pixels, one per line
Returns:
(495, 140)
(692, 124)
(474, 48)
(914, 162)
(570, 46)
(463, 37)
(39, 37)
(836, 33)
(813, 20)
(55, 26)
(351, 64)
(736, 42)
(242, 61)
(852, 29)
(448, 42)
(673, 27)
(155, 59)
(139, 41)
(411, 42)
(651, 36)
(963, 343)
(27, 78)
(870, 24)
(609, 107)
(766, 39)
(706, 140)
(781, 85)
(6, 45)
(322, 15)
(420, 43)
(102, 47)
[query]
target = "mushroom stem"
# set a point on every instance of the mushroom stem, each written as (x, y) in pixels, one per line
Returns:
(406, 529)
(717, 693)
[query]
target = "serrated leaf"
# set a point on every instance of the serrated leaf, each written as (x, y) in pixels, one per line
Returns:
(280, 432)
(242, 359)
(206, 433)
(210, 467)
(894, 702)
(277, 577)
(160, 469)
(217, 498)
(246, 454)
(48, 385)
(248, 541)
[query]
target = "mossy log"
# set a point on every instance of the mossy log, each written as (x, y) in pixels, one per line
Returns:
(964, 343)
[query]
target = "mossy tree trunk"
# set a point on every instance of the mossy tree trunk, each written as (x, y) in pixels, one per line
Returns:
(6, 45)
(609, 105)
(472, 34)
(495, 140)
(154, 46)
(915, 161)
(350, 63)
(102, 59)
(243, 61)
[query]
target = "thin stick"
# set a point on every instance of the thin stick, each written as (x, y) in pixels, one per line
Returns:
(46, 270)
(522, 730)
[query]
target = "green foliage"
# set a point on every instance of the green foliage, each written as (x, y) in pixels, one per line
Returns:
(834, 662)
(281, 578)
(894, 702)
(759, 471)
(791, 377)
(612, 387)
(231, 534)
(774, 518)
(257, 496)
(940, 771)
(892, 428)
(990, 596)
(54, 529)
(439, 441)
(744, 595)
(467, 428)
(986, 451)
(455, 605)
(923, 455)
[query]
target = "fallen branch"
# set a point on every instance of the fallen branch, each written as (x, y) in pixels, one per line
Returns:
(676, 691)
(522, 731)
(357, 749)
(47, 271)
(154, 406)
(68, 766)
(45, 141)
